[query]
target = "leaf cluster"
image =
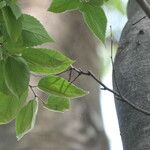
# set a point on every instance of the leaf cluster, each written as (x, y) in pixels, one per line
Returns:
(20, 34)
(91, 10)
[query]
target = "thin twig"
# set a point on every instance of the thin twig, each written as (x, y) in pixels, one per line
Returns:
(70, 75)
(34, 93)
(80, 72)
(75, 78)
(111, 46)
(112, 62)
(104, 87)
(69, 69)
(89, 73)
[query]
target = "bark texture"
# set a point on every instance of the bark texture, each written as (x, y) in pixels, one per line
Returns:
(132, 79)
(81, 128)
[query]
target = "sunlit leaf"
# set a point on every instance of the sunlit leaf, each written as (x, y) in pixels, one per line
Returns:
(10, 105)
(96, 20)
(58, 6)
(56, 103)
(59, 86)
(52, 61)
(46, 70)
(26, 119)
(33, 32)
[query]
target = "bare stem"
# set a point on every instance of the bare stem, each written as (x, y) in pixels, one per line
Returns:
(34, 93)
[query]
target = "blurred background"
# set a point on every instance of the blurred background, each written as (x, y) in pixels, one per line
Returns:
(91, 122)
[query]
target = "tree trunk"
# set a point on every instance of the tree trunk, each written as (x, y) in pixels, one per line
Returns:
(80, 128)
(132, 79)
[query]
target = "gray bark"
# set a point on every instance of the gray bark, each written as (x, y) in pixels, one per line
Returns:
(132, 79)
(81, 128)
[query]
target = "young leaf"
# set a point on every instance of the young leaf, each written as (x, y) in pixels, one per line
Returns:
(52, 60)
(13, 25)
(59, 6)
(25, 119)
(33, 32)
(17, 75)
(96, 20)
(10, 105)
(56, 103)
(61, 87)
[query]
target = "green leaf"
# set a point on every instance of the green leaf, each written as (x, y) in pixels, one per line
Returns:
(95, 19)
(52, 61)
(61, 87)
(13, 47)
(58, 6)
(50, 58)
(56, 103)
(3, 87)
(26, 118)
(95, 2)
(33, 32)
(17, 75)
(2, 4)
(46, 70)
(15, 9)
(10, 106)
(13, 25)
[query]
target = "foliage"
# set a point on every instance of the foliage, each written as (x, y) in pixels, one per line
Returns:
(19, 34)
(118, 5)
(92, 11)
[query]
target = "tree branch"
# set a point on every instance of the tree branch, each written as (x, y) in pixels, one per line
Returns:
(104, 87)
(34, 93)
(145, 6)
